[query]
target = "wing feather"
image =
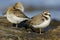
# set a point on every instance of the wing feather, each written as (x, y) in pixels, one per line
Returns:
(37, 19)
(16, 12)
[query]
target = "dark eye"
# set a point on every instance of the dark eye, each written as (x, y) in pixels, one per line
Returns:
(50, 15)
(46, 14)
(43, 19)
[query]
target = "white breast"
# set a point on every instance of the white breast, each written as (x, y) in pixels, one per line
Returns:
(43, 25)
(15, 19)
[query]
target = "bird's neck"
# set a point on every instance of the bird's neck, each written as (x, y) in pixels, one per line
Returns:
(47, 17)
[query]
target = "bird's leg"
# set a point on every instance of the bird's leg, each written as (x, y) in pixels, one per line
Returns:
(16, 25)
(40, 30)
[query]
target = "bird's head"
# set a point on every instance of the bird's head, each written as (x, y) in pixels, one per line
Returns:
(46, 13)
(19, 6)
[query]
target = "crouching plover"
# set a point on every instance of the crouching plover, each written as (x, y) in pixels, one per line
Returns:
(41, 20)
(15, 14)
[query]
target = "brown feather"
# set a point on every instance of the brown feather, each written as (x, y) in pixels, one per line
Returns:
(37, 19)
(16, 12)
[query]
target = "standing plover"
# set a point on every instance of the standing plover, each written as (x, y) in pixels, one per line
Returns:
(15, 15)
(41, 20)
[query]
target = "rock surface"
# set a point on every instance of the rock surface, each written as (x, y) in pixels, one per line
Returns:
(8, 32)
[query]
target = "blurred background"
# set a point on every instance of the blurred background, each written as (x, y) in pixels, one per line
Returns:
(33, 7)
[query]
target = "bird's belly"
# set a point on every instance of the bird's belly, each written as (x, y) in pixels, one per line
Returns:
(14, 19)
(42, 25)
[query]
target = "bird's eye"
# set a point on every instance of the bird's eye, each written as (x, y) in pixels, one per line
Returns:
(50, 15)
(46, 14)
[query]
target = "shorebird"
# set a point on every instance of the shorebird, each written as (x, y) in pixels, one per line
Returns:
(15, 15)
(41, 20)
